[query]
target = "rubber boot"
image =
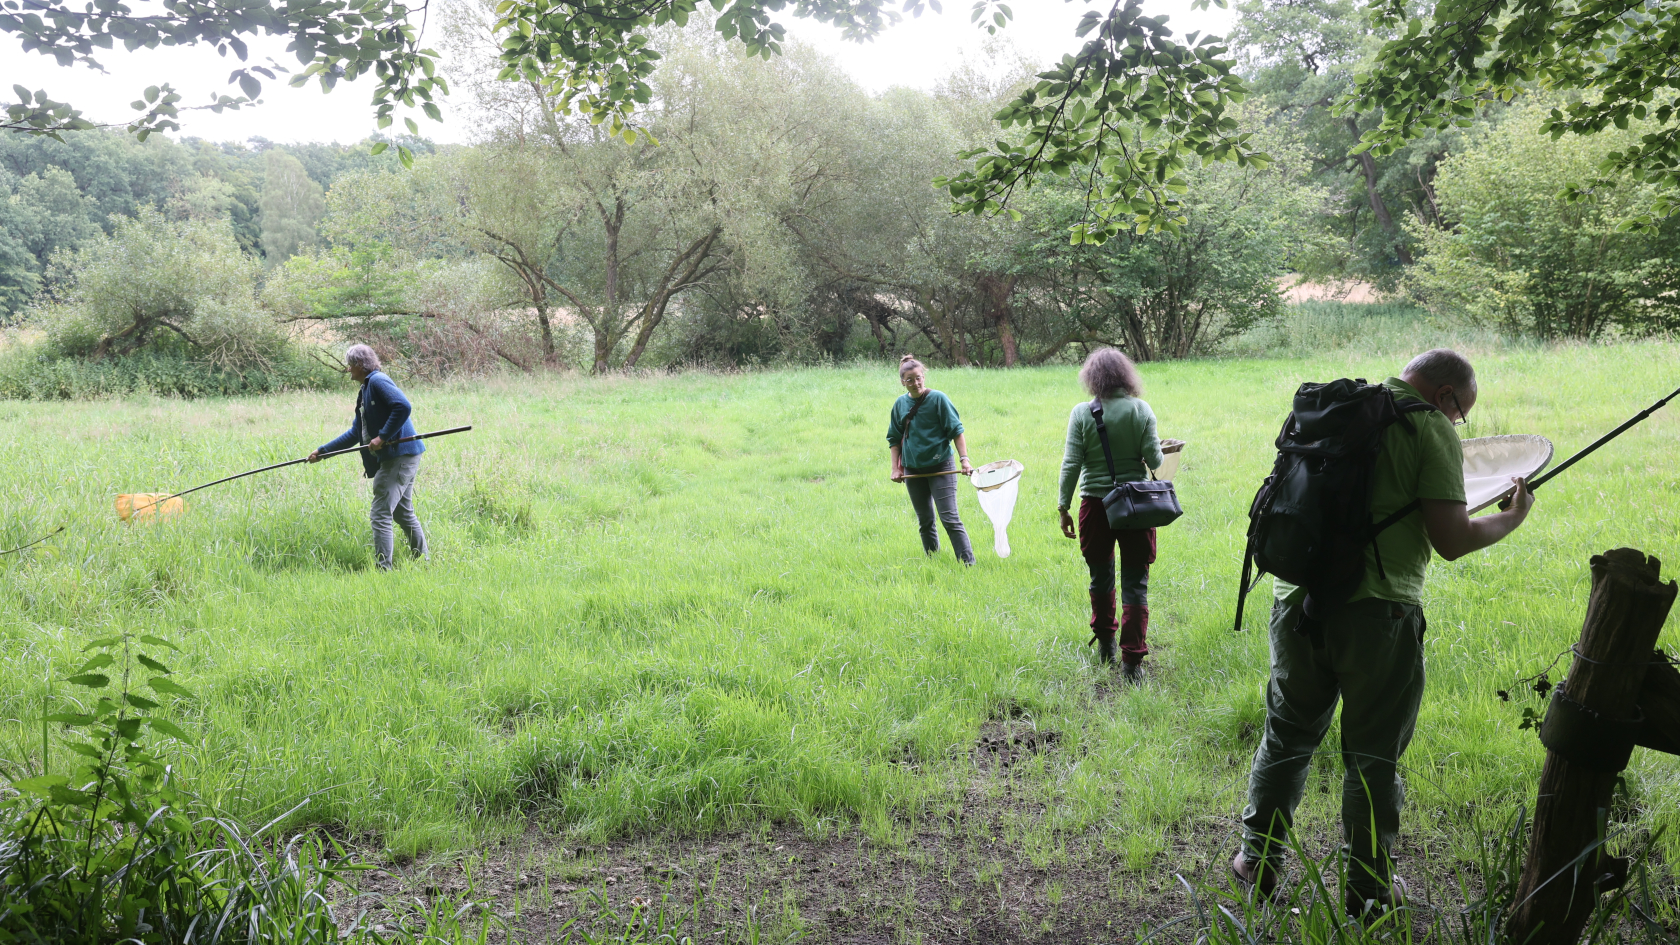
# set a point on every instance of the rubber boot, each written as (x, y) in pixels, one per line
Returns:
(1103, 624)
(1134, 633)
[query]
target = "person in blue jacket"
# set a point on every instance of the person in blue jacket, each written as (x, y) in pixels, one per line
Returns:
(382, 415)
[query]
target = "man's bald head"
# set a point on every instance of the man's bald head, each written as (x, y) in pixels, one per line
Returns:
(1441, 367)
(1442, 370)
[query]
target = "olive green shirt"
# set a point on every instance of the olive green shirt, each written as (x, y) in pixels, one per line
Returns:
(927, 444)
(1428, 464)
(1131, 437)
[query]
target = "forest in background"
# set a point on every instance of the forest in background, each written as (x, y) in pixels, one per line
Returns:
(771, 211)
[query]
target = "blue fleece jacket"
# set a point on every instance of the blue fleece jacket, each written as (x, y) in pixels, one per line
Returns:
(381, 409)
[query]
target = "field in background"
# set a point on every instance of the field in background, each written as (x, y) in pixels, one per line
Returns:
(680, 604)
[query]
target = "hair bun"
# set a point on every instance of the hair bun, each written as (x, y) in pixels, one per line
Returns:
(905, 358)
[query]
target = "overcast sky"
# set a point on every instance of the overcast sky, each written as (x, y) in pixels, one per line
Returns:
(916, 53)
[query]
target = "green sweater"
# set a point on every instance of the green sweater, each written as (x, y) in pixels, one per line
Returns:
(927, 444)
(1131, 437)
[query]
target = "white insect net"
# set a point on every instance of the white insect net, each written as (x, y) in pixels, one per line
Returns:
(1491, 461)
(997, 484)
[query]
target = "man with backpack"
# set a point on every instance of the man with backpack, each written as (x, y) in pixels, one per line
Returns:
(1369, 479)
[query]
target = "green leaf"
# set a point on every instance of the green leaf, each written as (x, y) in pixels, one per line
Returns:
(169, 728)
(379, 147)
(147, 662)
(41, 786)
(139, 701)
(90, 680)
(158, 641)
(159, 684)
(98, 662)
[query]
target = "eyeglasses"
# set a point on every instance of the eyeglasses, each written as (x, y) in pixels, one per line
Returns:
(1462, 418)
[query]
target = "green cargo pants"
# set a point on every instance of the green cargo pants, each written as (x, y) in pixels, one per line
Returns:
(1370, 655)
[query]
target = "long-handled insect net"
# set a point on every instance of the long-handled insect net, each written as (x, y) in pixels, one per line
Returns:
(997, 485)
(141, 506)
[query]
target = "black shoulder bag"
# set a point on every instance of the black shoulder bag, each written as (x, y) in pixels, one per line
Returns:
(1149, 504)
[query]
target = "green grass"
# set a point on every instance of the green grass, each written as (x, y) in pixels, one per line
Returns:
(1380, 329)
(685, 603)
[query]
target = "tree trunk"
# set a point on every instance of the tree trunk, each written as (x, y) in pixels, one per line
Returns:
(1068, 338)
(1368, 165)
(546, 326)
(681, 274)
(998, 290)
(874, 312)
(606, 335)
(1625, 613)
(954, 347)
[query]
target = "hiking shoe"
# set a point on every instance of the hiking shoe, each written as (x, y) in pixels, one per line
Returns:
(1105, 648)
(1255, 875)
(1131, 673)
(1368, 907)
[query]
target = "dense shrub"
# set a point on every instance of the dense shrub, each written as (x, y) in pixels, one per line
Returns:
(1516, 253)
(38, 373)
(157, 284)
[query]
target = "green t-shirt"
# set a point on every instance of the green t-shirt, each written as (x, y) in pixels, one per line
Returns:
(1428, 464)
(927, 444)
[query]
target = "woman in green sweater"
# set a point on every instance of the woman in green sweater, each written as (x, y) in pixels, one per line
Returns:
(1111, 378)
(920, 430)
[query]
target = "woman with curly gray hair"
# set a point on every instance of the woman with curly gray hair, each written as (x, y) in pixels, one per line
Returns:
(1113, 382)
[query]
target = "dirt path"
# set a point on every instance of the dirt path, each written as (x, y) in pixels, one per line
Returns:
(986, 872)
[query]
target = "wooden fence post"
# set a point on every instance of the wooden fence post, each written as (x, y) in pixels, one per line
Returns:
(1625, 613)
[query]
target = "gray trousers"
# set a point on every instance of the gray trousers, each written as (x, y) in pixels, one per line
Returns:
(1370, 655)
(939, 493)
(393, 498)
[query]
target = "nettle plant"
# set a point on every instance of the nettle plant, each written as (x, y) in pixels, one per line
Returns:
(110, 849)
(97, 850)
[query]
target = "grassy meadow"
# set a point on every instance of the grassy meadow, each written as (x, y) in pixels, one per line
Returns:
(691, 603)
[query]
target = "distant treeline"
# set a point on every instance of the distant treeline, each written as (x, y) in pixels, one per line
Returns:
(56, 195)
(772, 211)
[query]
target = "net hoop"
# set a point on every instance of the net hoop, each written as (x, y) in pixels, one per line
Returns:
(996, 475)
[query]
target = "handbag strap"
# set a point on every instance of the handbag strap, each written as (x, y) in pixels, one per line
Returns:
(1102, 434)
(904, 425)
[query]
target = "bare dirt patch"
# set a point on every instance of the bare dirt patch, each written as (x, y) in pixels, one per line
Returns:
(985, 870)
(968, 883)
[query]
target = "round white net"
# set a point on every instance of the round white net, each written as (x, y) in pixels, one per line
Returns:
(997, 485)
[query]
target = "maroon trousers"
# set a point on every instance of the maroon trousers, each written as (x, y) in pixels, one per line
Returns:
(1097, 542)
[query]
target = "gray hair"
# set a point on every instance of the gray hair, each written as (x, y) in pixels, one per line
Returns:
(1108, 372)
(363, 357)
(1443, 367)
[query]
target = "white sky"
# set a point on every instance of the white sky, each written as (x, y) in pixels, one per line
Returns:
(916, 53)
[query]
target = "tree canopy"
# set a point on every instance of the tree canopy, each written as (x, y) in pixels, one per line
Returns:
(332, 40)
(1617, 55)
